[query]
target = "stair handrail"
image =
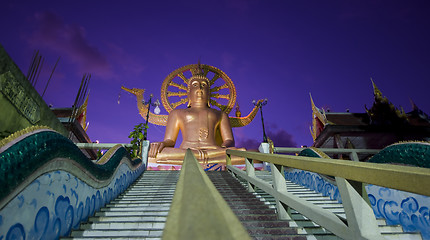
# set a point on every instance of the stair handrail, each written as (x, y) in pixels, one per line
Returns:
(198, 210)
(352, 152)
(361, 221)
(384, 175)
(99, 146)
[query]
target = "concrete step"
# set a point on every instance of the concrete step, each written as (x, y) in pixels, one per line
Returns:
(135, 209)
(132, 213)
(261, 222)
(128, 219)
(123, 225)
(132, 205)
(167, 201)
(143, 198)
(118, 233)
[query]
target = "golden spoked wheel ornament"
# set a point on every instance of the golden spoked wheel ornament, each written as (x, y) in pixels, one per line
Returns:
(174, 88)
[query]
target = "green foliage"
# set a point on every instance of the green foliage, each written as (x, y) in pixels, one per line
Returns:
(99, 154)
(137, 137)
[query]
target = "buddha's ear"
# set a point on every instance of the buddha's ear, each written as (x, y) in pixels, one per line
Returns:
(188, 94)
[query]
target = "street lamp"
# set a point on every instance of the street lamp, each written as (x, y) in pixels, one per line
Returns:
(156, 111)
(260, 104)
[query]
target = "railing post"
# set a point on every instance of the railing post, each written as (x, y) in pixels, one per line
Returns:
(144, 152)
(361, 190)
(279, 184)
(361, 219)
(228, 159)
(227, 163)
(354, 156)
(250, 171)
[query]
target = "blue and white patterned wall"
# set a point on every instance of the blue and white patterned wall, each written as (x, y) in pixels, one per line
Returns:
(401, 208)
(57, 202)
(314, 182)
(409, 210)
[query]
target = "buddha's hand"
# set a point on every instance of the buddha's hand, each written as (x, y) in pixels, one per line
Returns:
(155, 148)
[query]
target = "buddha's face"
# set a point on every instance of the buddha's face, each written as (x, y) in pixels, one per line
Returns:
(199, 91)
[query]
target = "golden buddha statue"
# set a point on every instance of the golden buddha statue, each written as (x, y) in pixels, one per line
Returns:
(206, 131)
(199, 125)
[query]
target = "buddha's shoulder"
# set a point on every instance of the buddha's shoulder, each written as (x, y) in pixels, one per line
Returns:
(176, 112)
(215, 112)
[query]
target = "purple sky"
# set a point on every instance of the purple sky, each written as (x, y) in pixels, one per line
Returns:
(280, 50)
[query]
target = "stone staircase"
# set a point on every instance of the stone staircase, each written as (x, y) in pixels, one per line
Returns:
(258, 217)
(141, 211)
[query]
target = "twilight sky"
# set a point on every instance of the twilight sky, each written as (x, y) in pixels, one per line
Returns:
(280, 50)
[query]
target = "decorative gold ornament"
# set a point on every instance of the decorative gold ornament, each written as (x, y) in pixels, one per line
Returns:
(317, 115)
(320, 153)
(22, 132)
(203, 134)
(174, 92)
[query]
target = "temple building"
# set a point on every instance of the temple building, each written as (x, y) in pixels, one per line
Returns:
(23, 107)
(76, 126)
(381, 125)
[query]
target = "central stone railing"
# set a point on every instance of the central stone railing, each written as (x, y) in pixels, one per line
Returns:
(198, 210)
(360, 222)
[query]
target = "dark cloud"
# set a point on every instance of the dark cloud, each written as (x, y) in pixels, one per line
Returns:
(248, 143)
(68, 40)
(280, 138)
(124, 61)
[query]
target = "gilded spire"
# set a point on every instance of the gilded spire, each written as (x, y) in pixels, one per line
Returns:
(318, 118)
(316, 112)
(383, 111)
(238, 113)
(198, 72)
(377, 93)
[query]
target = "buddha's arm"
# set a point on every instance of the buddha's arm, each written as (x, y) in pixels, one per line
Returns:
(226, 132)
(172, 131)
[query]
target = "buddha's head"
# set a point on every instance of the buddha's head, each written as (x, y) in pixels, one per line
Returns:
(198, 87)
(198, 90)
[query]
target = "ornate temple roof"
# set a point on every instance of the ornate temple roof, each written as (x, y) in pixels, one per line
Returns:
(376, 128)
(383, 112)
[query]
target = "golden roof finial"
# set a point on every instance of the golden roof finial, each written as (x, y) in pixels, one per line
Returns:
(376, 92)
(198, 72)
(316, 114)
(238, 113)
(312, 101)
